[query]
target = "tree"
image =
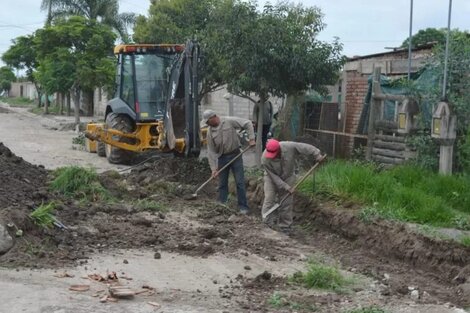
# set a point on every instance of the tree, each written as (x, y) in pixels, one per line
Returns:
(74, 54)
(176, 21)
(425, 36)
(257, 54)
(457, 95)
(22, 56)
(274, 52)
(104, 11)
(6, 78)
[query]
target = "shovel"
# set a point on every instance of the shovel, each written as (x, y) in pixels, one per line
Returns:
(277, 205)
(194, 195)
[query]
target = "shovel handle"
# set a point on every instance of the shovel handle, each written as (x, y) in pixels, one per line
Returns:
(303, 178)
(223, 168)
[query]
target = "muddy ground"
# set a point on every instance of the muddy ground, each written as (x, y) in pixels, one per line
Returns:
(394, 267)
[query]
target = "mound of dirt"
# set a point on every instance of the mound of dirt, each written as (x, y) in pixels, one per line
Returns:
(187, 171)
(22, 184)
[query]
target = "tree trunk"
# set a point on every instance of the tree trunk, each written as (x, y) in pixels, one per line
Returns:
(68, 103)
(38, 90)
(61, 103)
(291, 118)
(88, 102)
(76, 109)
(259, 130)
(46, 105)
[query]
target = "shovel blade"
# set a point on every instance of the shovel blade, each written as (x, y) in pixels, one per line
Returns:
(271, 210)
(190, 197)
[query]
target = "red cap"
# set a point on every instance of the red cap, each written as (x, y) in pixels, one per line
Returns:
(272, 149)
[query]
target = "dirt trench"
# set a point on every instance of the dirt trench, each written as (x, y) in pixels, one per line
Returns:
(203, 228)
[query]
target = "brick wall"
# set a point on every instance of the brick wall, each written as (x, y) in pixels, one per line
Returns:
(356, 90)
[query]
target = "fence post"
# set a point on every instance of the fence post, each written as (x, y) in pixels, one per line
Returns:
(374, 103)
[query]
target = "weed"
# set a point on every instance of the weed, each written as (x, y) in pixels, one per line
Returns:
(368, 214)
(372, 309)
(320, 276)
(254, 172)
(465, 241)
(79, 140)
(42, 216)
(79, 182)
(276, 301)
(150, 205)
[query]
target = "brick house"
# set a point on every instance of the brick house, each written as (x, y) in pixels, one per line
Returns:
(350, 91)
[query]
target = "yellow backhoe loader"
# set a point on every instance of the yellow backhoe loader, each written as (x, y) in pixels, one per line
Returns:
(155, 105)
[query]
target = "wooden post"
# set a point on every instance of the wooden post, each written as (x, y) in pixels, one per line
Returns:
(374, 104)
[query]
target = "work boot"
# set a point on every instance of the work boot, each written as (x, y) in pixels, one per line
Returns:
(286, 230)
(244, 211)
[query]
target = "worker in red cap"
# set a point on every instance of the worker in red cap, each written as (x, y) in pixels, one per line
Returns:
(278, 161)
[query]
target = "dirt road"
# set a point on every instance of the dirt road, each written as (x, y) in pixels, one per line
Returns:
(38, 140)
(198, 256)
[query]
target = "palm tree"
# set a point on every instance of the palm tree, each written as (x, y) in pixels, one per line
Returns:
(104, 11)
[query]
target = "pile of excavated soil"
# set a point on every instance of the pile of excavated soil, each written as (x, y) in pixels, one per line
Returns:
(22, 184)
(187, 171)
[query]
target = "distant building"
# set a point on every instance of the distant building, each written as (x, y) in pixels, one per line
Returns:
(24, 90)
(348, 94)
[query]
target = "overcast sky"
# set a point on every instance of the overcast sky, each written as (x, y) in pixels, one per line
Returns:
(363, 26)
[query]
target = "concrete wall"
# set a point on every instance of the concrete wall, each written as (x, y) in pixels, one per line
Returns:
(226, 104)
(100, 98)
(222, 102)
(23, 89)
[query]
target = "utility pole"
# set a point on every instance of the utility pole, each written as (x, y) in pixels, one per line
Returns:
(409, 40)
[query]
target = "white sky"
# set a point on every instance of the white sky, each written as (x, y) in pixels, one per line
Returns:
(363, 26)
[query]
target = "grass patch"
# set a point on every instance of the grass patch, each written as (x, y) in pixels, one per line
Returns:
(465, 241)
(18, 101)
(405, 193)
(53, 109)
(43, 215)
(321, 276)
(372, 309)
(150, 205)
(79, 182)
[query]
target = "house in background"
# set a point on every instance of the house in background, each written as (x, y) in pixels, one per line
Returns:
(337, 125)
(23, 90)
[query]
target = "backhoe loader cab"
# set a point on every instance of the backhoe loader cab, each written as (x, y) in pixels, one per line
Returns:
(155, 105)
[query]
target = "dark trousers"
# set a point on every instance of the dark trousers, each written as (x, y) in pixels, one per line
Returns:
(238, 173)
(264, 135)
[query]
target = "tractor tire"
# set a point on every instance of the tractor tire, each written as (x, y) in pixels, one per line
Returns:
(123, 124)
(101, 149)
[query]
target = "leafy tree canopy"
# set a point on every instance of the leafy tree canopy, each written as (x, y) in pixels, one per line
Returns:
(75, 53)
(103, 11)
(6, 78)
(22, 55)
(425, 36)
(275, 51)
